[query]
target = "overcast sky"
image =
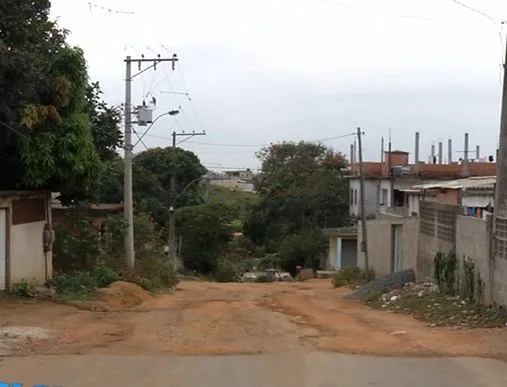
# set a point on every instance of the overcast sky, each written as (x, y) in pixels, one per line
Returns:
(270, 70)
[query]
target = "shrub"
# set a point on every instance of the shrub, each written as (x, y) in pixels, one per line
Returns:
(83, 283)
(226, 272)
(301, 249)
(24, 289)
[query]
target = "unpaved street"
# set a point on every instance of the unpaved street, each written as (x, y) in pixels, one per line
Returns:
(290, 323)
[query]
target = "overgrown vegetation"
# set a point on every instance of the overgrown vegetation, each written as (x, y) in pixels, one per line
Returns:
(84, 259)
(352, 276)
(445, 271)
(24, 290)
(303, 249)
(453, 279)
(301, 188)
(79, 284)
(226, 271)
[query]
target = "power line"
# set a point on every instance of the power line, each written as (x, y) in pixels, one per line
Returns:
(15, 130)
(403, 16)
(263, 145)
(107, 9)
(474, 10)
(248, 145)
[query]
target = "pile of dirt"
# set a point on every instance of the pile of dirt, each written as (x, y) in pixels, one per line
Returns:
(122, 293)
(119, 295)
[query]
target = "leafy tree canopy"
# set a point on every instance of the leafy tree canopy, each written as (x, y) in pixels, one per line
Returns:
(48, 111)
(206, 231)
(302, 186)
(151, 176)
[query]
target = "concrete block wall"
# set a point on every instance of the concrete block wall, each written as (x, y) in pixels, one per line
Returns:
(499, 286)
(437, 233)
(473, 240)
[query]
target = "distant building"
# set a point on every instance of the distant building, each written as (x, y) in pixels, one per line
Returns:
(246, 174)
(387, 182)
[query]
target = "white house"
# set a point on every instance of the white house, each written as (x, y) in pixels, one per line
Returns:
(25, 238)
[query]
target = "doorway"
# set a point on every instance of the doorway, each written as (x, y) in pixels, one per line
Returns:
(397, 247)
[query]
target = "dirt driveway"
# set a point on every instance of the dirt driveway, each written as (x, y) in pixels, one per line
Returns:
(213, 319)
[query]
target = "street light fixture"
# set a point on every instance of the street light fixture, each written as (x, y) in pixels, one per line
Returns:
(168, 113)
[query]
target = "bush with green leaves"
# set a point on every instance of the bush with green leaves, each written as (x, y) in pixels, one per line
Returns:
(226, 271)
(302, 249)
(74, 255)
(82, 283)
(24, 289)
(206, 232)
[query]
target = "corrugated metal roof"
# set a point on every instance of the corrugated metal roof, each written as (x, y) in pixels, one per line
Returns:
(470, 182)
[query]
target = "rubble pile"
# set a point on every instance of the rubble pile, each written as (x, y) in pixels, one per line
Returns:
(425, 302)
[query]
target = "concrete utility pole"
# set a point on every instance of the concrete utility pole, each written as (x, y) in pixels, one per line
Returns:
(128, 147)
(465, 160)
(172, 233)
(416, 154)
(364, 242)
(501, 161)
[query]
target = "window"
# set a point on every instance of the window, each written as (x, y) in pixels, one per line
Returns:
(355, 196)
(351, 196)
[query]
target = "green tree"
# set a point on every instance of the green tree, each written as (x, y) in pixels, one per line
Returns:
(303, 249)
(206, 231)
(105, 124)
(302, 186)
(151, 176)
(46, 138)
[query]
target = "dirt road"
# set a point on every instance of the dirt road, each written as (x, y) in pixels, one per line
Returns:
(213, 319)
(291, 322)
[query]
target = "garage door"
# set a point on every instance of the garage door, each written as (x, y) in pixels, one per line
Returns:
(3, 246)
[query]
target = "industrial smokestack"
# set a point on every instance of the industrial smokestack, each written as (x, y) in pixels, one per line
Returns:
(477, 153)
(416, 154)
(432, 154)
(440, 152)
(449, 150)
(382, 149)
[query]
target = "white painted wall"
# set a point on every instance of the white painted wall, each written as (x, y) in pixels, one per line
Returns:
(27, 258)
(371, 197)
(413, 202)
(385, 185)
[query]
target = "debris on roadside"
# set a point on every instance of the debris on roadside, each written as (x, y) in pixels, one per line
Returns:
(383, 284)
(425, 302)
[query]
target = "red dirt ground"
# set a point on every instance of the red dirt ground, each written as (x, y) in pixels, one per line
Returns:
(203, 318)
